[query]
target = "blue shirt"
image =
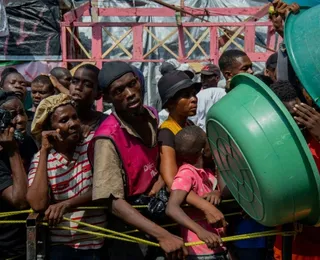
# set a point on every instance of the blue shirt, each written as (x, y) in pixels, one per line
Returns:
(245, 226)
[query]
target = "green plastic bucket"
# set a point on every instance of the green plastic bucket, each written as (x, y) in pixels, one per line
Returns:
(262, 155)
(302, 38)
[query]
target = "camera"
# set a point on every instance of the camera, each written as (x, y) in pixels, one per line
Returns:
(5, 122)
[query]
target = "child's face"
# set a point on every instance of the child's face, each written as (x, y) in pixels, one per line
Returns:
(84, 87)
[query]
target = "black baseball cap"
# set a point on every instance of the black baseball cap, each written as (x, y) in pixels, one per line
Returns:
(112, 71)
(174, 81)
(272, 61)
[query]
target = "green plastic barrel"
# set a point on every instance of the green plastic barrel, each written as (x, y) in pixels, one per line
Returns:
(262, 155)
(302, 38)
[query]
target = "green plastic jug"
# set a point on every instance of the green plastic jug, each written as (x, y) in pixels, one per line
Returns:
(262, 155)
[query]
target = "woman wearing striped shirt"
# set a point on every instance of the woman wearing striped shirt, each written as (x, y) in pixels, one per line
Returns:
(60, 179)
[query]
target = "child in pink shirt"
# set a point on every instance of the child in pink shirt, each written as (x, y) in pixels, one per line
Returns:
(189, 146)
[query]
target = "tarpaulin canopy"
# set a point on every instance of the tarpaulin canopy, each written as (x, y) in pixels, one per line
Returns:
(33, 31)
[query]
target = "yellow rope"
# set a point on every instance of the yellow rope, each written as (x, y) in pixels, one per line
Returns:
(13, 213)
(15, 257)
(176, 224)
(127, 232)
(13, 221)
(110, 231)
(140, 206)
(226, 239)
(247, 236)
(142, 241)
(91, 207)
(127, 238)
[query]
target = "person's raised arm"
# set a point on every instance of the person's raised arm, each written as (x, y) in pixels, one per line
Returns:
(284, 9)
(58, 85)
(308, 117)
(38, 192)
(16, 193)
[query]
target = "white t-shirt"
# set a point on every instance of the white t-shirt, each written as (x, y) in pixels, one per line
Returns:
(206, 98)
(163, 116)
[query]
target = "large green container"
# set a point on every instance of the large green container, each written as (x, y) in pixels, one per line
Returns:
(302, 38)
(262, 155)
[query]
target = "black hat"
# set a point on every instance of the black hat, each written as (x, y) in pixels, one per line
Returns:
(174, 81)
(210, 69)
(272, 61)
(112, 71)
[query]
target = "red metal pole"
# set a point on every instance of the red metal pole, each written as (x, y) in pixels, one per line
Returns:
(214, 45)
(182, 49)
(64, 46)
(137, 41)
(249, 38)
(271, 38)
(97, 53)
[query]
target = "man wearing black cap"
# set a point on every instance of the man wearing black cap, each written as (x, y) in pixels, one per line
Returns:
(124, 154)
(209, 95)
(210, 76)
(271, 66)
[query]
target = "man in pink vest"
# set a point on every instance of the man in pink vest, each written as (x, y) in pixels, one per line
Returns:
(124, 155)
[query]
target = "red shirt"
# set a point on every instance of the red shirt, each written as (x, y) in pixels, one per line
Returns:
(307, 243)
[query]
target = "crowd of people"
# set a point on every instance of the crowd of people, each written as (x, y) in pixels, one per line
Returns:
(63, 154)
